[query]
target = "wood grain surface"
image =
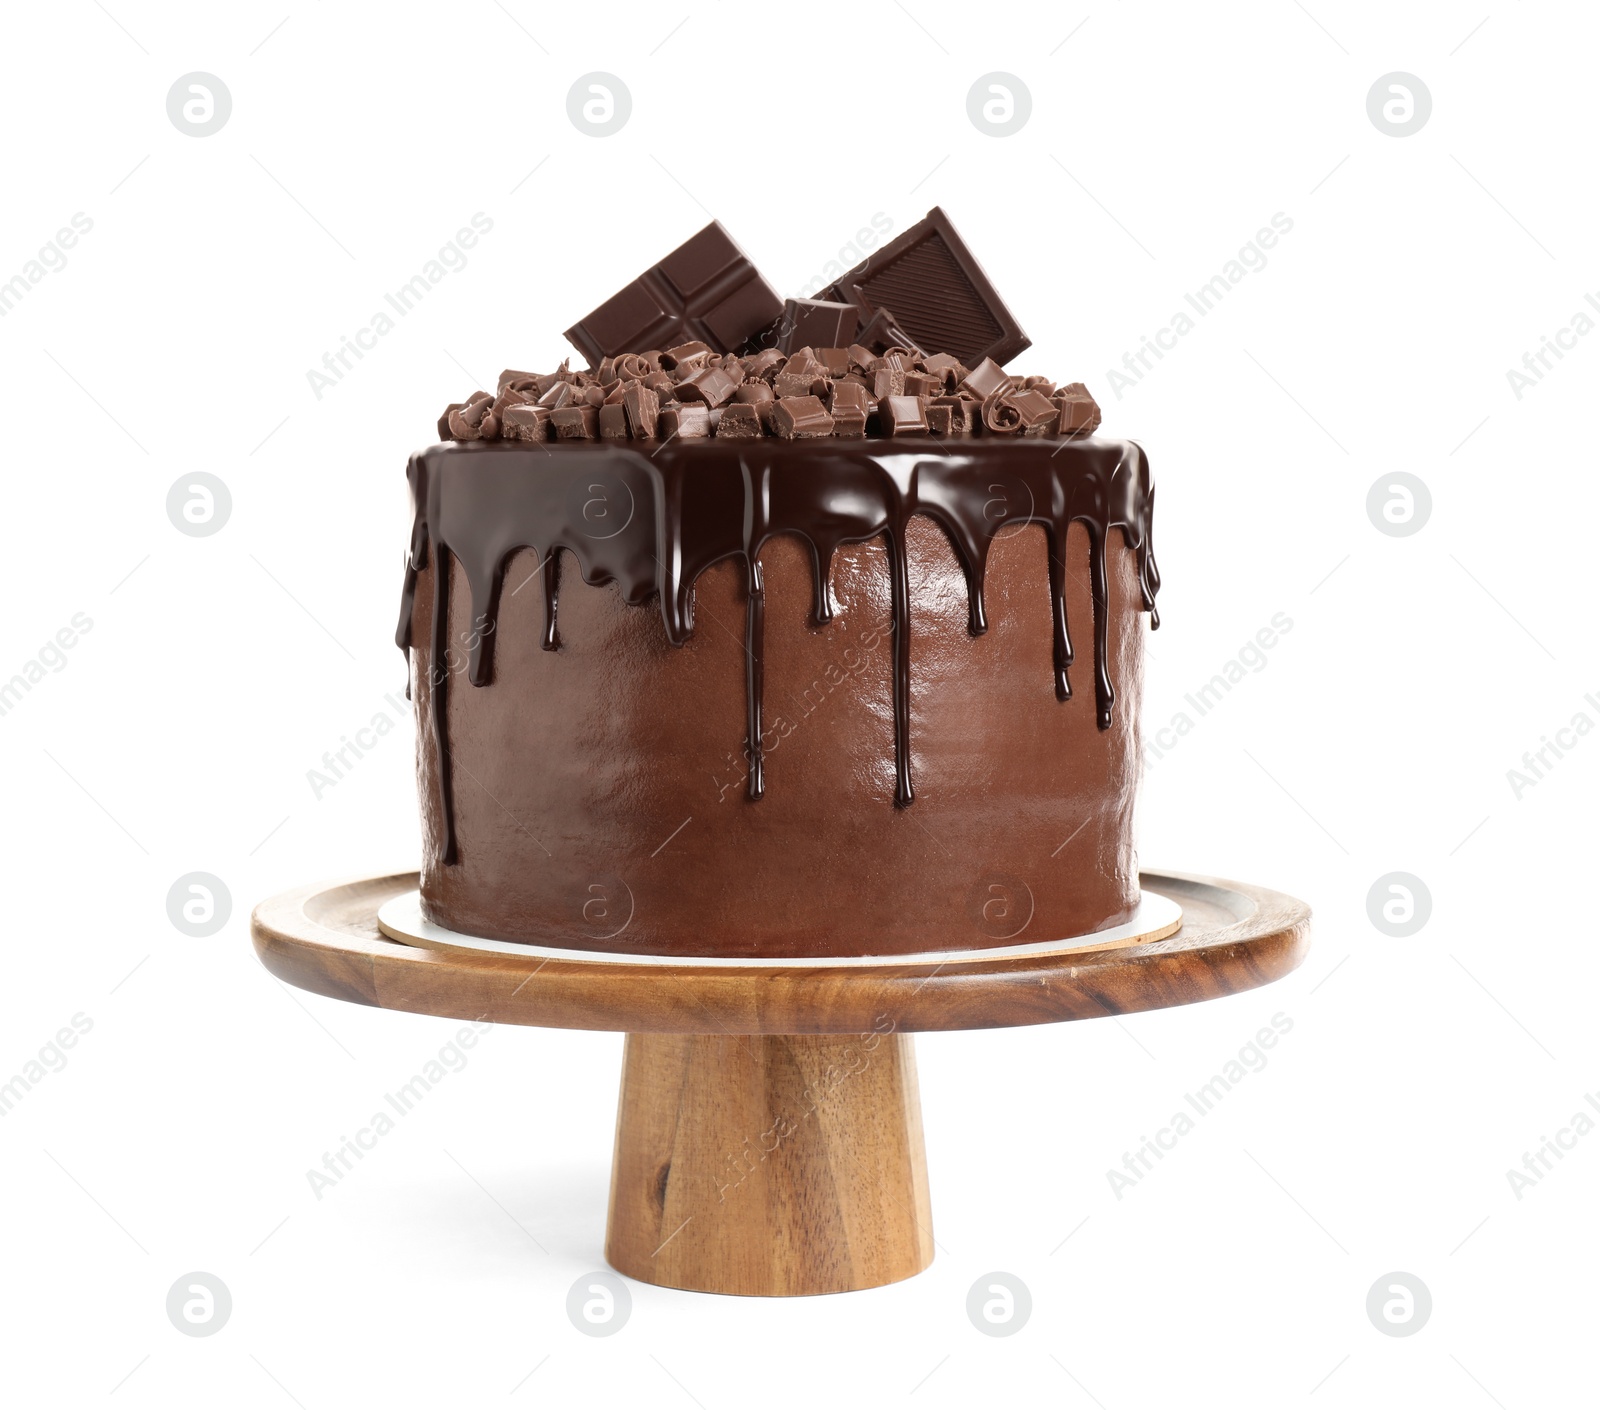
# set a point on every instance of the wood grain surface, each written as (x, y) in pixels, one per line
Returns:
(1235, 936)
(769, 1166)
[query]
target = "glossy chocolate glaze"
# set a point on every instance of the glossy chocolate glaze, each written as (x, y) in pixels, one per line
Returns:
(655, 524)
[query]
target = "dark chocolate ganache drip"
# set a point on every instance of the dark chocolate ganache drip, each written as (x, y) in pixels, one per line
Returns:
(653, 522)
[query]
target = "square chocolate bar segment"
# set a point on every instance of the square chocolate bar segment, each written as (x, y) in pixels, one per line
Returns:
(937, 292)
(705, 290)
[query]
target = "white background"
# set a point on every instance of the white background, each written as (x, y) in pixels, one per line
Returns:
(178, 735)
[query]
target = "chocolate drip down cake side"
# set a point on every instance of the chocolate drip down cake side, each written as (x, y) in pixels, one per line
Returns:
(785, 629)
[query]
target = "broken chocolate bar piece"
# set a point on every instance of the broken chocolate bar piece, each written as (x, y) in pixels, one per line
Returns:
(613, 423)
(800, 418)
(525, 423)
(706, 290)
(816, 323)
(710, 385)
(575, 423)
(685, 421)
(1079, 412)
(938, 292)
(850, 423)
(740, 421)
(987, 378)
(902, 416)
(1037, 413)
(642, 407)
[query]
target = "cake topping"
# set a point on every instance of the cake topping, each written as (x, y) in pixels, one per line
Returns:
(894, 391)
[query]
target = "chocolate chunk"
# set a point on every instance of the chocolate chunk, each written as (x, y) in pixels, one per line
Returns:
(1038, 413)
(961, 411)
(923, 384)
(559, 395)
(575, 423)
(802, 375)
(882, 332)
(850, 423)
(686, 357)
(888, 382)
(861, 358)
(643, 409)
(835, 360)
(938, 291)
(901, 416)
(520, 380)
(613, 423)
(940, 421)
(1079, 412)
(685, 421)
(740, 421)
(525, 423)
(800, 418)
(848, 394)
(547, 380)
(816, 323)
(710, 385)
(706, 290)
(764, 364)
(754, 392)
(987, 378)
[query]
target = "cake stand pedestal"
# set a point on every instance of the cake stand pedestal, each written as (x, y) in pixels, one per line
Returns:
(769, 1132)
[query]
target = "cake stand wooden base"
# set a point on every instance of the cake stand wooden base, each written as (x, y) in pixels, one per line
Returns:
(769, 1133)
(772, 1166)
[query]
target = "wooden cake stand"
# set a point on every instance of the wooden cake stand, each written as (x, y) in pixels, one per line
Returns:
(769, 1132)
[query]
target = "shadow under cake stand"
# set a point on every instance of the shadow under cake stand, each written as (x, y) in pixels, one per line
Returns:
(769, 1131)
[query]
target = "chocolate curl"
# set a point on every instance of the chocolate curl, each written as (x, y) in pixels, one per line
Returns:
(468, 423)
(1000, 417)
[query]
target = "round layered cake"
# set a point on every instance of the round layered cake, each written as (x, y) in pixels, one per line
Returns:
(782, 693)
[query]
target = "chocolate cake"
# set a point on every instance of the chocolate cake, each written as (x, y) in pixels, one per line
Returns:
(815, 693)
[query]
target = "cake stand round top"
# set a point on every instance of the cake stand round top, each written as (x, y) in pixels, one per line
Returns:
(325, 938)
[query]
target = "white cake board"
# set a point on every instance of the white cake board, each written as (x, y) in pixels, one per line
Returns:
(1155, 918)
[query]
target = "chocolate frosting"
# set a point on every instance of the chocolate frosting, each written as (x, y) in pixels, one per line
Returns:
(653, 521)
